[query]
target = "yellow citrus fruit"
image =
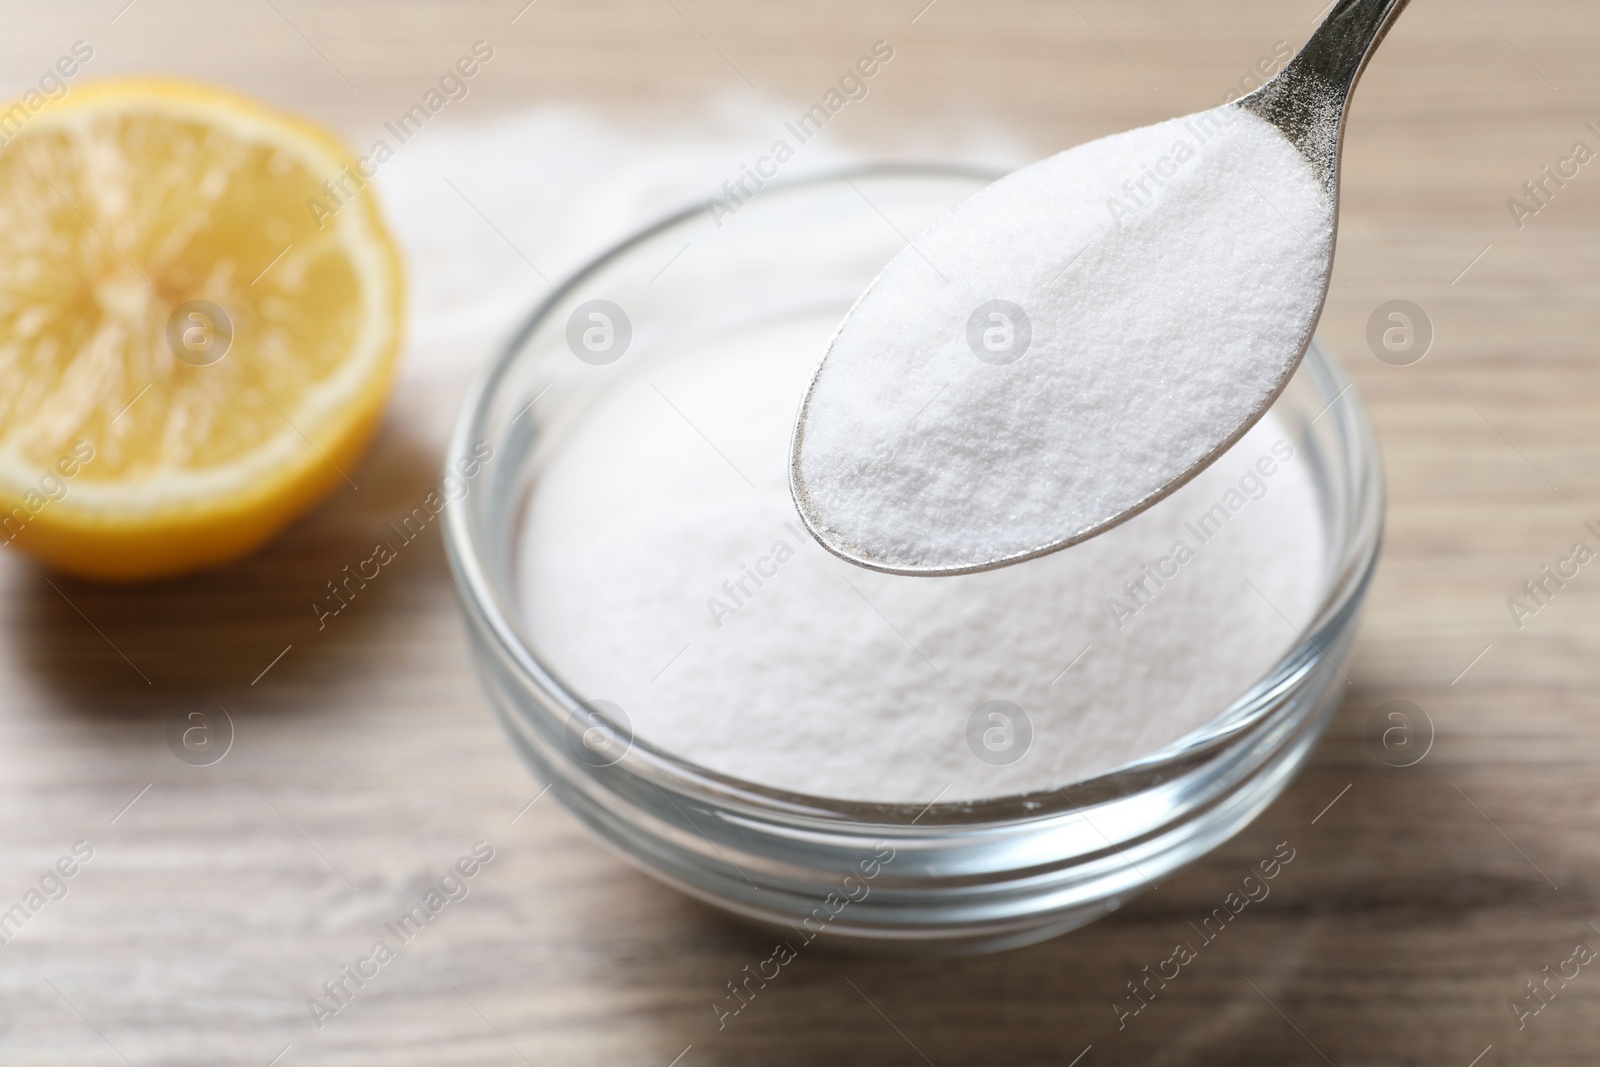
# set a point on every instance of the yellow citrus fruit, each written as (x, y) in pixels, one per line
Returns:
(200, 317)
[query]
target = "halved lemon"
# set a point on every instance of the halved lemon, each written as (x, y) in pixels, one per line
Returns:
(200, 317)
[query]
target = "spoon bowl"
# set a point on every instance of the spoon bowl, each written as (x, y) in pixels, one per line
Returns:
(1075, 416)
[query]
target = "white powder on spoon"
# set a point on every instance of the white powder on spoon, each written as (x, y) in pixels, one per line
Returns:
(1066, 345)
(653, 577)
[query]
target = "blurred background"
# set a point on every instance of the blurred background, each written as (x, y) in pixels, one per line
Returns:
(1422, 900)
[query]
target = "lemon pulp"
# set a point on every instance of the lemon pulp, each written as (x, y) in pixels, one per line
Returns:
(173, 308)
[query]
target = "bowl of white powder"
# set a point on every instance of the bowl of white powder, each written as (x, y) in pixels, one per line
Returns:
(947, 763)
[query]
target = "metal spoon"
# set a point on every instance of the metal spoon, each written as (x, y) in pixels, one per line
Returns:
(1308, 102)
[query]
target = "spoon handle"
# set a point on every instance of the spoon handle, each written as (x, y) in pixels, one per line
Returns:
(1309, 97)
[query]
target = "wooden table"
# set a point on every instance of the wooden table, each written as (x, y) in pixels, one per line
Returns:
(1420, 902)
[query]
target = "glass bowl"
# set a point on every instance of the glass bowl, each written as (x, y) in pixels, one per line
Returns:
(942, 877)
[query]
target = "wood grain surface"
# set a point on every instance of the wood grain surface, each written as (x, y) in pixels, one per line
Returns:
(1418, 905)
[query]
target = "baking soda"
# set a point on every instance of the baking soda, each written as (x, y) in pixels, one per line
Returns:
(1066, 345)
(654, 577)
